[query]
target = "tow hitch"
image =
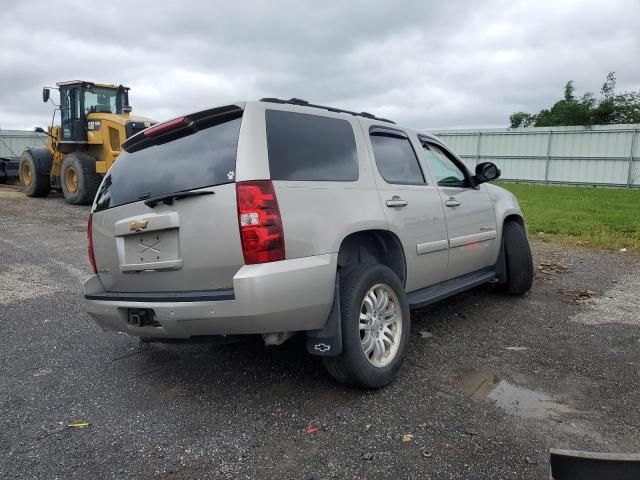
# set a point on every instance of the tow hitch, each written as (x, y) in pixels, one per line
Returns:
(141, 317)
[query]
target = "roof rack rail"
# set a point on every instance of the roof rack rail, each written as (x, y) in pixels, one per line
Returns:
(304, 103)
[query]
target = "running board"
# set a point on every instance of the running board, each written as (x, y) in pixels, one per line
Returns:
(435, 293)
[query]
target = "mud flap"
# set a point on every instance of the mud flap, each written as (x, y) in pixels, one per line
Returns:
(327, 341)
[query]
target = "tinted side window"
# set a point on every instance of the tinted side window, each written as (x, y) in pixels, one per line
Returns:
(310, 147)
(444, 170)
(396, 160)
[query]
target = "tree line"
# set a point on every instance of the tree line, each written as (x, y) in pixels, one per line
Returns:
(610, 107)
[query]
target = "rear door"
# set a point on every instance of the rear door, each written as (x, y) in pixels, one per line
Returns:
(471, 222)
(413, 208)
(144, 242)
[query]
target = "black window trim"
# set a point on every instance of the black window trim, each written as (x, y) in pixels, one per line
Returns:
(355, 144)
(454, 159)
(385, 131)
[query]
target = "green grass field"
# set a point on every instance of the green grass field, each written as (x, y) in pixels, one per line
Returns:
(604, 218)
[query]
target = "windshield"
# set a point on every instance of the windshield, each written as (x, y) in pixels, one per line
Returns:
(100, 99)
(201, 159)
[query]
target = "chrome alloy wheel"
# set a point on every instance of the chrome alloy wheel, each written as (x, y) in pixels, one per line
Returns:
(380, 325)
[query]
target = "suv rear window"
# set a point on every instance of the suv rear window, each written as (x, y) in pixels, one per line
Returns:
(310, 147)
(202, 159)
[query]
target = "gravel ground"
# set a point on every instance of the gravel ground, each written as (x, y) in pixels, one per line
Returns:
(489, 385)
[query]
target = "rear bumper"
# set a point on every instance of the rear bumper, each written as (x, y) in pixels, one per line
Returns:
(291, 295)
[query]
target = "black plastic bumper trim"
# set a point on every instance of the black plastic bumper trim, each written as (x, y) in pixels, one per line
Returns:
(189, 296)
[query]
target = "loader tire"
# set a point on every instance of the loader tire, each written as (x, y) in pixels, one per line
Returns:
(33, 183)
(79, 179)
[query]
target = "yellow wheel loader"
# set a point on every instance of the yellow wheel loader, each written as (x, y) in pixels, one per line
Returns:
(95, 119)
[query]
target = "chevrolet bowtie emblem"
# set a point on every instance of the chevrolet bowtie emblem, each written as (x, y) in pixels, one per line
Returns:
(138, 225)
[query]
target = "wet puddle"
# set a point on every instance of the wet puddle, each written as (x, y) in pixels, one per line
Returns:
(514, 400)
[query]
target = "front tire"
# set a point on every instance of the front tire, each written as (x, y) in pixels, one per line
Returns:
(79, 179)
(375, 327)
(33, 184)
(518, 260)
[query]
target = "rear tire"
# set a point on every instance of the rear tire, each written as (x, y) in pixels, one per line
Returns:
(79, 179)
(518, 260)
(33, 184)
(382, 328)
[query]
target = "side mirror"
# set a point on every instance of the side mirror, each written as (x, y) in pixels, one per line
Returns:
(39, 130)
(45, 94)
(485, 172)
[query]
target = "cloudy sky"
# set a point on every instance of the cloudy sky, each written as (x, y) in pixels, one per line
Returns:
(425, 64)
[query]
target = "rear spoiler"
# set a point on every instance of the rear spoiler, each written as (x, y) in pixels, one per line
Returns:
(180, 127)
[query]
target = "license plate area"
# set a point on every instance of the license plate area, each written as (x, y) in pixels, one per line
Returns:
(155, 250)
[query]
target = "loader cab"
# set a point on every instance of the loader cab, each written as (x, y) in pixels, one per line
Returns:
(78, 99)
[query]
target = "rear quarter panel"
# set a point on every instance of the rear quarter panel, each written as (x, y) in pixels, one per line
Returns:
(316, 215)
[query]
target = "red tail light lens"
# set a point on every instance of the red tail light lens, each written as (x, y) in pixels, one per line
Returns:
(92, 258)
(260, 223)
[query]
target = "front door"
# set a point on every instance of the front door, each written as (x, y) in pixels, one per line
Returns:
(413, 208)
(72, 117)
(471, 222)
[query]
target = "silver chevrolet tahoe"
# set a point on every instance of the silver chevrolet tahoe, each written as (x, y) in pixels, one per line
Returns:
(280, 216)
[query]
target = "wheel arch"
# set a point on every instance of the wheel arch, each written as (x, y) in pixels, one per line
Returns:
(375, 245)
(372, 245)
(508, 215)
(514, 217)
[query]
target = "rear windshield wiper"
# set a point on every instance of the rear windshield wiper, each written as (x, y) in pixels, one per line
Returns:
(168, 198)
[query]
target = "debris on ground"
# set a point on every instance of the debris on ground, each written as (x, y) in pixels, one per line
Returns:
(407, 437)
(623, 249)
(369, 456)
(518, 349)
(577, 296)
(310, 430)
(425, 334)
(551, 269)
(427, 454)
(78, 425)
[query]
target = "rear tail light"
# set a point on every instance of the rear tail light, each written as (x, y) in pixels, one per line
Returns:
(260, 223)
(92, 258)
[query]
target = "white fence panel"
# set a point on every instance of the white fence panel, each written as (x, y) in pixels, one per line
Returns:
(14, 142)
(599, 155)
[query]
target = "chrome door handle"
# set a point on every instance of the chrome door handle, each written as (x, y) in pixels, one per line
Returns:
(452, 202)
(396, 202)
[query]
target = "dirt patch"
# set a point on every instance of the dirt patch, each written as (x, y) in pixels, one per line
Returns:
(25, 281)
(619, 304)
(550, 269)
(577, 296)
